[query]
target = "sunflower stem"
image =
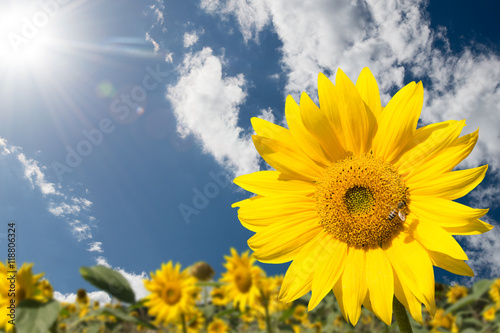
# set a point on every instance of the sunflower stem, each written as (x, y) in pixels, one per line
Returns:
(268, 319)
(401, 317)
(183, 319)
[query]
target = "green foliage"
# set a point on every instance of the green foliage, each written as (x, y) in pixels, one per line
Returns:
(36, 317)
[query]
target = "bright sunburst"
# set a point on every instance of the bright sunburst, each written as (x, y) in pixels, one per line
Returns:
(25, 36)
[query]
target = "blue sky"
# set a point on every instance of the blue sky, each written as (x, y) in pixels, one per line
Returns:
(116, 115)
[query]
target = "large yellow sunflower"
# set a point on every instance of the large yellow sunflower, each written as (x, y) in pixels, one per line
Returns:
(242, 280)
(171, 293)
(361, 200)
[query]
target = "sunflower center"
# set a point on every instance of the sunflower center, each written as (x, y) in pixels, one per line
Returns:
(362, 200)
(243, 279)
(358, 200)
(171, 294)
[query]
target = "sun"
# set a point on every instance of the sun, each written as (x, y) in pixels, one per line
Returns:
(25, 36)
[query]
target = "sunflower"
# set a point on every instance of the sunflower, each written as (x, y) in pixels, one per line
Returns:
(171, 293)
(494, 292)
(361, 201)
(242, 280)
(456, 292)
(269, 289)
(218, 326)
(444, 320)
(489, 313)
(195, 322)
(218, 296)
(300, 314)
(25, 285)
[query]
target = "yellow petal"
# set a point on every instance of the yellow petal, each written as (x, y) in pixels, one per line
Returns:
(409, 301)
(413, 267)
(273, 182)
(451, 185)
(434, 238)
(266, 211)
(298, 277)
(447, 159)
(398, 122)
(380, 282)
(424, 148)
(446, 262)
(328, 102)
(339, 293)
(320, 127)
(424, 133)
(244, 202)
(474, 228)
(305, 140)
(330, 265)
(266, 129)
(354, 286)
(368, 89)
(281, 242)
(358, 122)
(443, 212)
(287, 158)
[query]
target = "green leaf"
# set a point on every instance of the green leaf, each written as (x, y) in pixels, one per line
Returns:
(110, 281)
(226, 312)
(93, 326)
(473, 321)
(468, 330)
(34, 316)
(120, 314)
(140, 304)
(287, 313)
(480, 287)
(461, 303)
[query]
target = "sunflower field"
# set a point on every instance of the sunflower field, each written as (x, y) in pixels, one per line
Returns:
(244, 299)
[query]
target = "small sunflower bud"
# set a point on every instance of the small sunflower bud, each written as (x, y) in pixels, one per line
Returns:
(81, 297)
(202, 271)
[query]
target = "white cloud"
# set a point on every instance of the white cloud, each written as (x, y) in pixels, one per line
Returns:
(252, 16)
(81, 231)
(157, 10)
(100, 296)
(102, 261)
(485, 196)
(482, 250)
(190, 38)
(393, 38)
(206, 103)
(62, 209)
(267, 114)
(169, 57)
(136, 283)
(95, 247)
(82, 202)
(155, 44)
(72, 208)
(34, 174)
